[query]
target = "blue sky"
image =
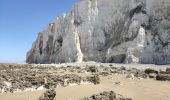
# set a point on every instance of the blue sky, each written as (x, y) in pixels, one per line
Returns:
(20, 22)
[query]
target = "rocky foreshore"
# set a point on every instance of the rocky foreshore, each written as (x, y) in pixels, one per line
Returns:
(33, 77)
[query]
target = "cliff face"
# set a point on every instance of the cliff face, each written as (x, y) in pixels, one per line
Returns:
(121, 31)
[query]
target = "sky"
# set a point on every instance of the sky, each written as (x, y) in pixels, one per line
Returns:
(22, 20)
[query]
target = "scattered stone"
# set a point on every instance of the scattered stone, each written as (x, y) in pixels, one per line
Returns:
(118, 83)
(121, 98)
(141, 75)
(110, 65)
(149, 70)
(92, 69)
(130, 76)
(122, 68)
(136, 73)
(168, 70)
(163, 77)
(105, 73)
(162, 72)
(152, 75)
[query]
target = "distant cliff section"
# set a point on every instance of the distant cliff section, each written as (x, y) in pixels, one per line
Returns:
(111, 31)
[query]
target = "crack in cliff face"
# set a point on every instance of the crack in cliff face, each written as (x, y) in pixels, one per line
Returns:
(76, 22)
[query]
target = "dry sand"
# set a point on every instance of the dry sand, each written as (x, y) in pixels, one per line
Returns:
(146, 89)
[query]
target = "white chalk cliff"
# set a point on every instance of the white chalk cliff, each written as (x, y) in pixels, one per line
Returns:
(120, 31)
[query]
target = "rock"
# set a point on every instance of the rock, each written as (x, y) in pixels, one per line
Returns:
(152, 75)
(122, 68)
(72, 78)
(136, 74)
(124, 98)
(162, 72)
(50, 85)
(94, 79)
(130, 76)
(149, 71)
(104, 73)
(140, 74)
(168, 70)
(121, 31)
(48, 95)
(102, 96)
(163, 77)
(92, 69)
(118, 83)
(111, 95)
